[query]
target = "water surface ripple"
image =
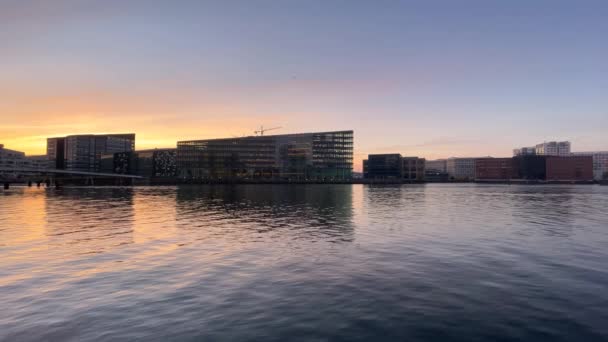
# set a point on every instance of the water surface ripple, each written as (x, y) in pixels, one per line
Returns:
(444, 262)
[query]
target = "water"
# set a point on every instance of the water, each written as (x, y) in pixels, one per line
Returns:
(312, 262)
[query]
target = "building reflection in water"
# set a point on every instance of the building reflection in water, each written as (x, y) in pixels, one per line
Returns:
(89, 220)
(23, 216)
(250, 212)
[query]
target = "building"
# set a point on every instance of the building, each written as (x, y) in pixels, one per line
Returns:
(535, 168)
(530, 167)
(524, 151)
(571, 168)
(436, 176)
(156, 163)
(394, 166)
(305, 156)
(553, 148)
(83, 152)
(413, 168)
(55, 152)
(494, 169)
(461, 168)
(439, 165)
(16, 159)
(600, 163)
(383, 166)
(11, 158)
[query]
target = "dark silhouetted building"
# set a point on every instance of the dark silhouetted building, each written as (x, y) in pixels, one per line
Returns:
(530, 167)
(383, 166)
(152, 164)
(83, 152)
(394, 166)
(305, 156)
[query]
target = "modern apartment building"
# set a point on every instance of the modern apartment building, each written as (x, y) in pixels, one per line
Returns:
(553, 148)
(83, 152)
(461, 168)
(305, 156)
(600, 163)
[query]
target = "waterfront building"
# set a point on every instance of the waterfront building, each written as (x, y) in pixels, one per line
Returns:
(413, 168)
(461, 168)
(571, 168)
(494, 168)
(437, 165)
(553, 148)
(10, 158)
(304, 156)
(436, 176)
(600, 163)
(83, 152)
(394, 166)
(152, 164)
(535, 168)
(383, 166)
(530, 167)
(17, 159)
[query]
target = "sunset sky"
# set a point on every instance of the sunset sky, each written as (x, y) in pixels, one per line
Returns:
(427, 78)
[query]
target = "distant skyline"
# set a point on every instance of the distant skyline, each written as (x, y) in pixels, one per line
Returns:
(434, 79)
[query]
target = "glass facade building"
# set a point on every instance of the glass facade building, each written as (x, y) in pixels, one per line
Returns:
(394, 166)
(83, 152)
(305, 156)
(156, 163)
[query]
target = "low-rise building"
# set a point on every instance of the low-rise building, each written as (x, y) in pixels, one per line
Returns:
(535, 168)
(461, 168)
(394, 166)
(413, 168)
(10, 158)
(439, 165)
(600, 163)
(494, 169)
(571, 168)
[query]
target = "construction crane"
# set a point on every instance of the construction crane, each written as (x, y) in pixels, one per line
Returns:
(262, 130)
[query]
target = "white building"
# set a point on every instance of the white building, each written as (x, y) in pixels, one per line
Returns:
(10, 159)
(600, 163)
(461, 168)
(553, 148)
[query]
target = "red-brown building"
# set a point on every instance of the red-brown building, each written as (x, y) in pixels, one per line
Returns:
(572, 168)
(494, 169)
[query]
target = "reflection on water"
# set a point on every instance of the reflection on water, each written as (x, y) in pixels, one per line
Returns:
(304, 262)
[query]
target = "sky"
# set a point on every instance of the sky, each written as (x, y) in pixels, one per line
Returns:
(428, 78)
